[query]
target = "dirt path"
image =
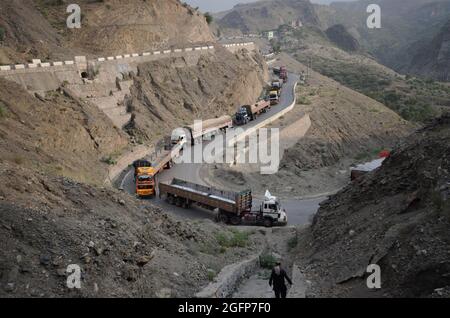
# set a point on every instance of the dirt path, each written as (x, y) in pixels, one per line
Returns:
(257, 286)
(279, 242)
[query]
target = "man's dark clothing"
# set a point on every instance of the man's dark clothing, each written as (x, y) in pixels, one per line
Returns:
(277, 280)
(281, 293)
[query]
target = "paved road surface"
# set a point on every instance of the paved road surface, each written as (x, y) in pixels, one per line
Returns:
(299, 211)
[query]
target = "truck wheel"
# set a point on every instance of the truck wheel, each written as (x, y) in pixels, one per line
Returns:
(268, 223)
(235, 220)
(223, 218)
(169, 199)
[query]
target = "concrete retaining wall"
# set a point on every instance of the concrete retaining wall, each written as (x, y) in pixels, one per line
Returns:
(234, 47)
(229, 278)
(265, 122)
(305, 125)
(47, 76)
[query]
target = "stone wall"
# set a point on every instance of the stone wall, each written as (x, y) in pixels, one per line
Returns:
(39, 76)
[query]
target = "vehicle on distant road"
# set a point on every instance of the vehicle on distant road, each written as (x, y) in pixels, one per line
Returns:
(274, 97)
(283, 74)
(144, 175)
(209, 129)
(248, 113)
(145, 172)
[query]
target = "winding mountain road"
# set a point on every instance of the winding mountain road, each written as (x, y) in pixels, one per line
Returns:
(299, 211)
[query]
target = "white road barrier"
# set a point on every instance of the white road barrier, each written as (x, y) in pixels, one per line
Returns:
(264, 122)
(81, 60)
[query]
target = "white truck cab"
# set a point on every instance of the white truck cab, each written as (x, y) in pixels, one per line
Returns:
(178, 135)
(271, 209)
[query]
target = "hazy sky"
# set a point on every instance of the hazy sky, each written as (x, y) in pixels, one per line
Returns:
(222, 5)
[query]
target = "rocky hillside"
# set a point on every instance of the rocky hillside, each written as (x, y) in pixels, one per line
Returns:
(433, 57)
(38, 28)
(25, 33)
(114, 26)
(339, 35)
(397, 217)
(124, 247)
(415, 99)
(63, 136)
(345, 123)
(404, 23)
(54, 210)
(346, 127)
(56, 150)
(268, 15)
(172, 93)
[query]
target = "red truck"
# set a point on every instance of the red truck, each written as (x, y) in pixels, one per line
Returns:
(284, 74)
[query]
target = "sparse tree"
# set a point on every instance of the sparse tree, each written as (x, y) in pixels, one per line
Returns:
(2, 34)
(209, 18)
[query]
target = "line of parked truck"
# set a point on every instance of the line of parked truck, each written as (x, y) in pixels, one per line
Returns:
(234, 208)
(247, 113)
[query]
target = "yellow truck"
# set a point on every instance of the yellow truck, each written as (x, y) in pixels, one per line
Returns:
(144, 175)
(145, 172)
(274, 97)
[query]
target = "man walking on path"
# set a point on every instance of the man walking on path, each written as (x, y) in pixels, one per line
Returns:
(277, 280)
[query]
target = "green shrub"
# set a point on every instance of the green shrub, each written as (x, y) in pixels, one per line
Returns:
(414, 102)
(209, 18)
(2, 110)
(232, 239)
(109, 160)
(239, 239)
(267, 261)
(441, 205)
(2, 34)
(362, 156)
(222, 239)
(18, 160)
(211, 275)
(302, 100)
(293, 242)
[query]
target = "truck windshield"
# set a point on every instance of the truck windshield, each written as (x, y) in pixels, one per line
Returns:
(278, 204)
(145, 187)
(145, 179)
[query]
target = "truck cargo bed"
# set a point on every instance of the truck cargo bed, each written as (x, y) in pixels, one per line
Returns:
(233, 202)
